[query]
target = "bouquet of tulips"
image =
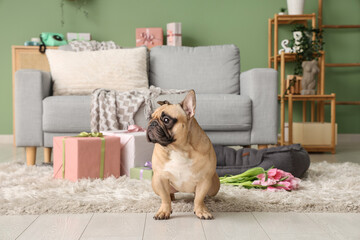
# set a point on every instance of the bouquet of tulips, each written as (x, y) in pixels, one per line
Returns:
(272, 180)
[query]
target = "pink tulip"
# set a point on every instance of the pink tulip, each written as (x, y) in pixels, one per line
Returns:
(275, 173)
(277, 180)
(257, 182)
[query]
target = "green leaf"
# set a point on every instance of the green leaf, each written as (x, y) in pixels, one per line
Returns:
(284, 178)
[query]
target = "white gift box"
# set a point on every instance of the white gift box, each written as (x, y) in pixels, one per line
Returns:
(78, 37)
(173, 34)
(135, 149)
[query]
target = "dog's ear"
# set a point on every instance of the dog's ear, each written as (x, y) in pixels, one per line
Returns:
(189, 104)
(163, 102)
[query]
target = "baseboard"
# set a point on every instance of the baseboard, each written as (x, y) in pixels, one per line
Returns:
(349, 137)
(6, 139)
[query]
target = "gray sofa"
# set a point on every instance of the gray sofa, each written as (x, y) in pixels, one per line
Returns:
(233, 108)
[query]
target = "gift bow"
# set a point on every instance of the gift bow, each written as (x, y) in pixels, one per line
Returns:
(147, 165)
(92, 134)
(135, 128)
(170, 35)
(102, 156)
(146, 37)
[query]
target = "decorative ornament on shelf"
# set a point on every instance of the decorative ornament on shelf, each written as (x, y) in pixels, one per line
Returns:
(308, 83)
(293, 84)
(286, 48)
(295, 7)
(297, 36)
(307, 50)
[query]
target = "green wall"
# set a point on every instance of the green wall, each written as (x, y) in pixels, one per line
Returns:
(204, 22)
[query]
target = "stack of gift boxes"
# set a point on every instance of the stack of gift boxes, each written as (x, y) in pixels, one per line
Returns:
(101, 155)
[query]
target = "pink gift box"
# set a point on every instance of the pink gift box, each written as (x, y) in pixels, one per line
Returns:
(83, 157)
(135, 149)
(173, 34)
(149, 37)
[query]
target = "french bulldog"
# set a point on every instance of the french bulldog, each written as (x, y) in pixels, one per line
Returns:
(184, 159)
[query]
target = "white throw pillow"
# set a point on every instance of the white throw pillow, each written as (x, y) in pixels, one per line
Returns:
(79, 73)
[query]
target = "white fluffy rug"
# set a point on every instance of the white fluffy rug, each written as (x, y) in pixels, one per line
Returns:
(327, 187)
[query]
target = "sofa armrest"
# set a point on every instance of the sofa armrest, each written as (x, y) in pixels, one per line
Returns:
(31, 87)
(260, 84)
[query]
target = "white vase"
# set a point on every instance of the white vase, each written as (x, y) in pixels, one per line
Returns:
(295, 7)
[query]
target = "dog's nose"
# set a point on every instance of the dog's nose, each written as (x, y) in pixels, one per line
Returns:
(154, 124)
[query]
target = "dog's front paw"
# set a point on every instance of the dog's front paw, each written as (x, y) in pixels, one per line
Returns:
(163, 213)
(203, 213)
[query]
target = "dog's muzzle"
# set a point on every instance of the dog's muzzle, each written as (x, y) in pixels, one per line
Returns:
(157, 134)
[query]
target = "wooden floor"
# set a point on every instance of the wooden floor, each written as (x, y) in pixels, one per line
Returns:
(231, 225)
(256, 225)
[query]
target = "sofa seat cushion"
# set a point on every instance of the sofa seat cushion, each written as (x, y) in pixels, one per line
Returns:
(72, 114)
(218, 112)
(66, 114)
(208, 69)
(214, 112)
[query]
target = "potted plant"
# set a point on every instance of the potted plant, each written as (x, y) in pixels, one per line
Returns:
(307, 52)
(295, 7)
(282, 11)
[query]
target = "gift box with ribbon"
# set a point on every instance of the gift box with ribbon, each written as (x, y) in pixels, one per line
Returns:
(149, 37)
(78, 36)
(135, 149)
(142, 172)
(173, 34)
(87, 155)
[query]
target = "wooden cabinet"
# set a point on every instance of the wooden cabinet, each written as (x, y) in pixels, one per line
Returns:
(27, 57)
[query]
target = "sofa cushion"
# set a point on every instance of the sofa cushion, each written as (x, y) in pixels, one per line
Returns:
(218, 112)
(210, 69)
(72, 114)
(79, 73)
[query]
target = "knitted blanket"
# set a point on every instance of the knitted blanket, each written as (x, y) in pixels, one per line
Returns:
(114, 110)
(79, 46)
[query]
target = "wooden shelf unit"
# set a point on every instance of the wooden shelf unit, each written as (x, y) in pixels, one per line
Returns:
(321, 27)
(274, 59)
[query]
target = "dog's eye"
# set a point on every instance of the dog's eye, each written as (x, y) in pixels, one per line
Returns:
(166, 120)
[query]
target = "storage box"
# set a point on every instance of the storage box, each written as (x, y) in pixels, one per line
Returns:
(173, 34)
(149, 37)
(141, 173)
(135, 149)
(83, 157)
(296, 88)
(78, 37)
(311, 133)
